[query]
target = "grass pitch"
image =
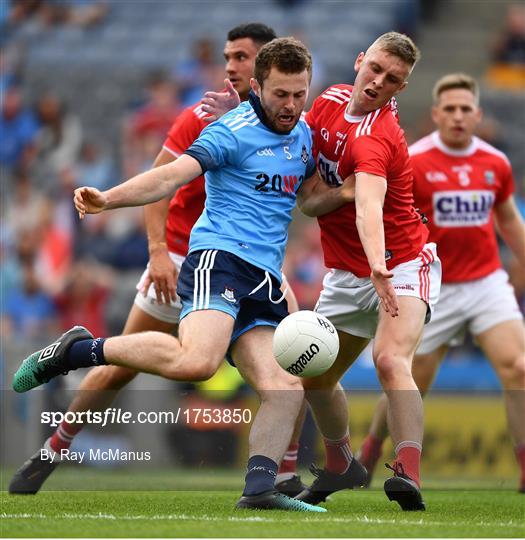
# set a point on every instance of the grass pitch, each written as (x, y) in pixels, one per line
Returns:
(208, 511)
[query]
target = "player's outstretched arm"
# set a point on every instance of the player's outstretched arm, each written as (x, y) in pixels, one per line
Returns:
(145, 188)
(217, 104)
(511, 228)
(369, 198)
(316, 198)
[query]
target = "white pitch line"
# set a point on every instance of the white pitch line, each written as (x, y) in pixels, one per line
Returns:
(247, 519)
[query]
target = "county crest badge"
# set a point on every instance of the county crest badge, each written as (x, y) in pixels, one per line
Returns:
(304, 155)
(490, 178)
(229, 295)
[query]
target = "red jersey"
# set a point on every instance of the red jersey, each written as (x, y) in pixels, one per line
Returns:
(152, 120)
(188, 202)
(457, 190)
(375, 144)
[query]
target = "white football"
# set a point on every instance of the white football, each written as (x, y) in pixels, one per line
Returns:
(305, 344)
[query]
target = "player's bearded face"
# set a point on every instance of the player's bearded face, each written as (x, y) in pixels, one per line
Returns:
(456, 115)
(240, 60)
(283, 98)
(380, 76)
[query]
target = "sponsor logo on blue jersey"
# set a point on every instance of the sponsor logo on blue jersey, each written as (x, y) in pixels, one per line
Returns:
(277, 183)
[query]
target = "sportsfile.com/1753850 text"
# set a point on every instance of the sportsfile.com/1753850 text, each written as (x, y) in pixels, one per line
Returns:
(180, 415)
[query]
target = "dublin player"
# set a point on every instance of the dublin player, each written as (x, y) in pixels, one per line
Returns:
(236, 245)
(156, 306)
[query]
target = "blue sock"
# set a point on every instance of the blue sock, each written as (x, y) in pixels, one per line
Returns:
(260, 476)
(86, 353)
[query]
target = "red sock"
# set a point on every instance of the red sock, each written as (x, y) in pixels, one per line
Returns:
(338, 455)
(371, 452)
(63, 436)
(520, 456)
(410, 457)
(289, 461)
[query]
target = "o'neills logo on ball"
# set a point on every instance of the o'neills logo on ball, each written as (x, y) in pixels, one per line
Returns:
(303, 360)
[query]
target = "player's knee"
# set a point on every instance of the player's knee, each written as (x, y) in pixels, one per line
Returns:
(391, 368)
(195, 371)
(199, 365)
(204, 370)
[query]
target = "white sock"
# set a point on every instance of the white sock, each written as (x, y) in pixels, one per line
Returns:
(56, 455)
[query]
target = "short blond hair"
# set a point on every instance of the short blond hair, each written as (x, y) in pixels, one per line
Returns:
(453, 81)
(399, 45)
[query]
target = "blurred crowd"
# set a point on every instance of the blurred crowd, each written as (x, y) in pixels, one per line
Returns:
(49, 13)
(56, 271)
(507, 69)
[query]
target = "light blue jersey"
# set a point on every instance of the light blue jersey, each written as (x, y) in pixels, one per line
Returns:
(252, 177)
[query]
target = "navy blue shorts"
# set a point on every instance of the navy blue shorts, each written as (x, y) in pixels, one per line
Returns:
(214, 279)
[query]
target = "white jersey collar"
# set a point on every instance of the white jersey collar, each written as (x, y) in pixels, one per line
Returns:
(471, 148)
(350, 118)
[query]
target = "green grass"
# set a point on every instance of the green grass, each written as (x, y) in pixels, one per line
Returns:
(208, 510)
(211, 514)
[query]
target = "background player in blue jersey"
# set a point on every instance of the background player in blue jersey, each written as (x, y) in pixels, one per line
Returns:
(255, 159)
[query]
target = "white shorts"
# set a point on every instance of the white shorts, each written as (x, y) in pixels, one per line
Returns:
(475, 306)
(352, 305)
(163, 312)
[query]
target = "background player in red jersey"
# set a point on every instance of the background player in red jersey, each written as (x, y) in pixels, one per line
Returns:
(385, 278)
(156, 306)
(465, 186)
